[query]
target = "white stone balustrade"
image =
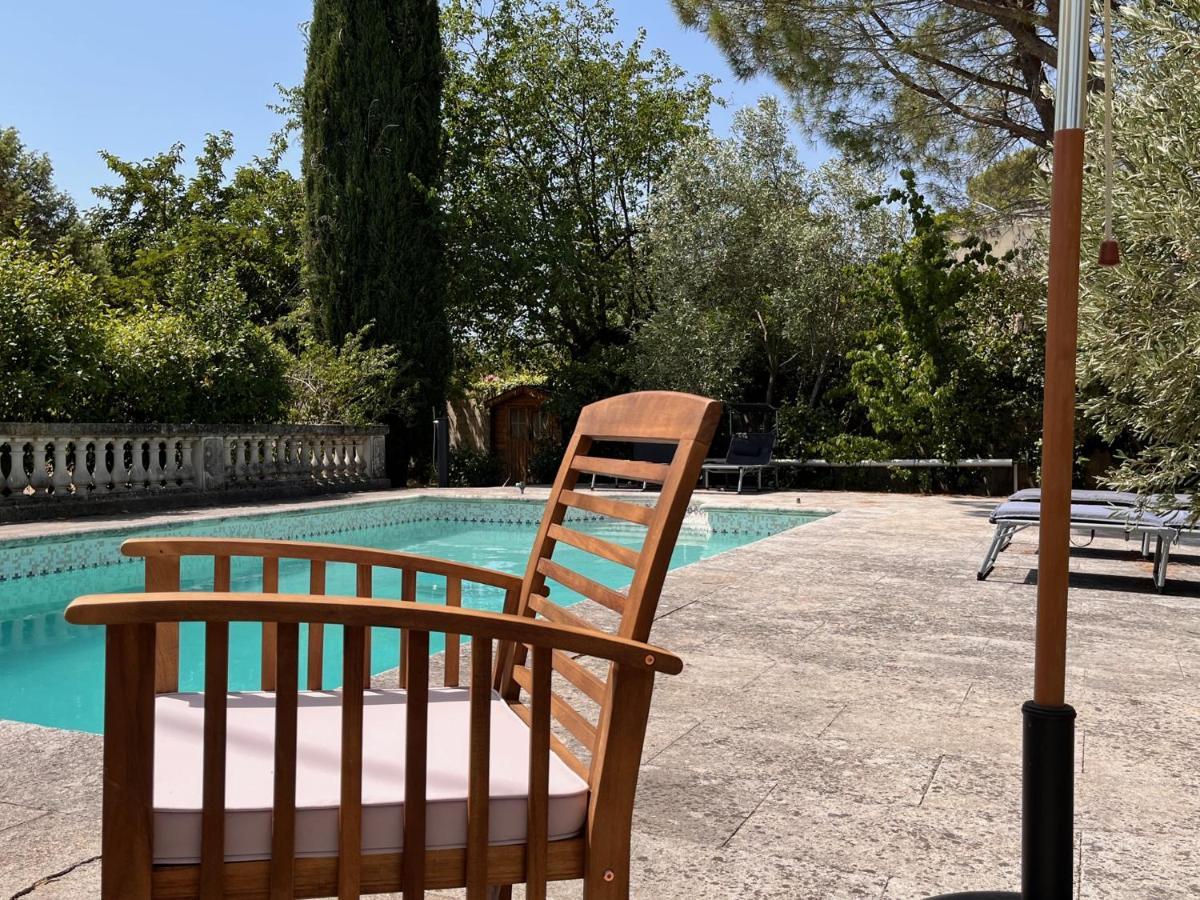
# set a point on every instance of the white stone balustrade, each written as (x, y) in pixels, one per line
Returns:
(89, 461)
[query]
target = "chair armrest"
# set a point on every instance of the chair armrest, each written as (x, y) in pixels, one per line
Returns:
(312, 551)
(204, 606)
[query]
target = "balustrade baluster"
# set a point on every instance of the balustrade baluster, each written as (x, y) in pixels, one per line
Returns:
(279, 462)
(17, 479)
(335, 463)
(120, 470)
(257, 451)
(137, 471)
(100, 476)
(61, 478)
(173, 465)
(159, 463)
(299, 457)
(81, 473)
(39, 478)
(318, 459)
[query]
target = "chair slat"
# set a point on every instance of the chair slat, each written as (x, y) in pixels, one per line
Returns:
(556, 613)
(316, 630)
(478, 778)
(537, 830)
(416, 756)
(583, 678)
(350, 812)
(127, 832)
(637, 513)
(453, 641)
(408, 594)
(561, 750)
(581, 584)
(570, 718)
(283, 821)
(594, 545)
(270, 585)
(363, 588)
(216, 695)
(222, 573)
(632, 469)
(162, 574)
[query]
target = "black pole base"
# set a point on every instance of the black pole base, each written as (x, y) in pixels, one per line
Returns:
(1048, 803)
(1048, 808)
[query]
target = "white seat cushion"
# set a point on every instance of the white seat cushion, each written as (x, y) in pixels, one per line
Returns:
(178, 755)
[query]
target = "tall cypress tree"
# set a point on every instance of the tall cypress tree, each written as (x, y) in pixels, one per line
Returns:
(372, 164)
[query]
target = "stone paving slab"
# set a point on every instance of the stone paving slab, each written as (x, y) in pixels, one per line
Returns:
(847, 724)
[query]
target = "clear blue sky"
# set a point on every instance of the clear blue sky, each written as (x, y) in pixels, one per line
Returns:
(136, 76)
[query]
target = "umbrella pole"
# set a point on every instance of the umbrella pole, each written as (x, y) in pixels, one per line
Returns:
(1047, 829)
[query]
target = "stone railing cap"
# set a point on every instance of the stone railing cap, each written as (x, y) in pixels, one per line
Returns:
(99, 429)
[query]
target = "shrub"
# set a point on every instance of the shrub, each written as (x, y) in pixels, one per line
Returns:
(201, 361)
(474, 468)
(544, 462)
(51, 337)
(353, 384)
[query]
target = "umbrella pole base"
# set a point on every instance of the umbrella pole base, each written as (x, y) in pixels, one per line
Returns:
(1048, 803)
(1048, 808)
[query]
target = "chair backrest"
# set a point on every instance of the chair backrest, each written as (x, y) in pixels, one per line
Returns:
(753, 449)
(652, 417)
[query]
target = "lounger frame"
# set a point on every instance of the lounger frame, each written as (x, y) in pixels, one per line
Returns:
(1162, 536)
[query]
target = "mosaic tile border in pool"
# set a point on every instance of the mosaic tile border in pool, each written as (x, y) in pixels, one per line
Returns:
(29, 557)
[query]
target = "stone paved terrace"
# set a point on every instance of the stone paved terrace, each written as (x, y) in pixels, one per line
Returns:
(847, 724)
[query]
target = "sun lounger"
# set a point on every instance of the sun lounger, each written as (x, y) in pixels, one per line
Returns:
(747, 453)
(1164, 529)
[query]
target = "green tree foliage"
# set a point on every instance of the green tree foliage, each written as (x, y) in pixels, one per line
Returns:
(944, 84)
(953, 366)
(557, 135)
(51, 341)
(372, 162)
(753, 258)
(156, 219)
(198, 357)
(1140, 321)
(33, 208)
(354, 384)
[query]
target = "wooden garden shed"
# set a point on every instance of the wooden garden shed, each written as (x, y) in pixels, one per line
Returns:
(519, 423)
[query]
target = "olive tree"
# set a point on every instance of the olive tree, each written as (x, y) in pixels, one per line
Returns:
(1140, 321)
(753, 259)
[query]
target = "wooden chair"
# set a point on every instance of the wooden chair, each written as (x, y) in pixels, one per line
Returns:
(309, 793)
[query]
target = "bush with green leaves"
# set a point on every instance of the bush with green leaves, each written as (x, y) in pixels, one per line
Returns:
(952, 367)
(199, 359)
(474, 468)
(1140, 321)
(52, 337)
(354, 384)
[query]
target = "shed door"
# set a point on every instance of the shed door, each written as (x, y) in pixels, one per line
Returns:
(527, 425)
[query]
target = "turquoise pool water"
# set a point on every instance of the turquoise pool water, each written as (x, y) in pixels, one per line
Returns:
(51, 673)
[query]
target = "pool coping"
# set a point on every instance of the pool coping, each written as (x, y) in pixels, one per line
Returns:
(16, 532)
(56, 550)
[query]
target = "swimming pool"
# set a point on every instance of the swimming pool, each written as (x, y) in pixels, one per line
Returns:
(51, 673)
